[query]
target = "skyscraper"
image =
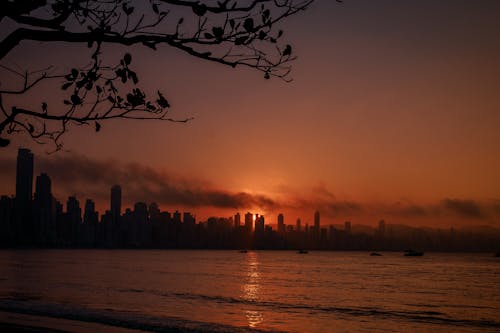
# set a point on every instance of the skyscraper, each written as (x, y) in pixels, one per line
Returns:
(316, 221)
(44, 213)
(281, 223)
(24, 176)
(237, 220)
(248, 221)
(23, 230)
(298, 224)
(116, 202)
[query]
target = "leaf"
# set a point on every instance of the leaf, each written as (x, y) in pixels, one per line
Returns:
(75, 99)
(267, 76)
(74, 73)
(287, 51)
(181, 20)
(155, 8)
(240, 40)
(265, 15)
(127, 58)
(248, 24)
(31, 129)
(280, 33)
(162, 102)
(111, 99)
(150, 45)
(98, 89)
(208, 35)
(218, 32)
(97, 126)
(66, 85)
(199, 9)
(262, 35)
(44, 107)
(133, 76)
(4, 142)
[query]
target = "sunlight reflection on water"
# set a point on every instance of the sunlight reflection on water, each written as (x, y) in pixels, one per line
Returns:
(251, 289)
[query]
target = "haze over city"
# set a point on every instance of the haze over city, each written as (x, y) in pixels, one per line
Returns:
(387, 117)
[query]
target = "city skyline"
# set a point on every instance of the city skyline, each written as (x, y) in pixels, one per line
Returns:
(392, 114)
(39, 219)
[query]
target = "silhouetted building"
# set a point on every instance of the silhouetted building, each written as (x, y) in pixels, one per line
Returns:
(116, 202)
(259, 224)
(347, 227)
(381, 228)
(281, 223)
(24, 229)
(24, 176)
(316, 220)
(298, 225)
(44, 212)
(248, 221)
(237, 220)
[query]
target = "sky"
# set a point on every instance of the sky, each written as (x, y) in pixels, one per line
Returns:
(393, 113)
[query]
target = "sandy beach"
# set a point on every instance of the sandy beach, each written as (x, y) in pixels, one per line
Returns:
(22, 323)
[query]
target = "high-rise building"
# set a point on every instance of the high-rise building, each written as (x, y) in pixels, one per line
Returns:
(116, 202)
(347, 227)
(259, 224)
(298, 224)
(90, 215)
(281, 223)
(248, 221)
(44, 213)
(24, 176)
(381, 228)
(237, 220)
(140, 212)
(24, 230)
(316, 221)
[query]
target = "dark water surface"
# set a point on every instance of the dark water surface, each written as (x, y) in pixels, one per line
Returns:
(215, 291)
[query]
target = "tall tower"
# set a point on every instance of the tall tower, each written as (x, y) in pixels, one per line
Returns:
(248, 221)
(24, 230)
(298, 224)
(237, 220)
(316, 221)
(281, 223)
(44, 214)
(24, 176)
(116, 202)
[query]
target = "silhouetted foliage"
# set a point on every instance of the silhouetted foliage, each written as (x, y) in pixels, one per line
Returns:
(229, 32)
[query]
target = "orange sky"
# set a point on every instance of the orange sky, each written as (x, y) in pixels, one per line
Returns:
(394, 105)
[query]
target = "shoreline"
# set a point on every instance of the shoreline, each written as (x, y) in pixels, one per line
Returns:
(26, 323)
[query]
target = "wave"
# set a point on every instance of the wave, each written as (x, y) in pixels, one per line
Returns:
(121, 319)
(433, 317)
(33, 305)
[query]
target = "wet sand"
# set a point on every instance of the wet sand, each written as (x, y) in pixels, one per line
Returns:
(22, 323)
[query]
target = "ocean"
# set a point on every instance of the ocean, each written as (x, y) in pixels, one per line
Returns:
(273, 291)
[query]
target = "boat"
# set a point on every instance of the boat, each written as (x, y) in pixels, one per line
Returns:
(302, 251)
(375, 254)
(413, 253)
(243, 251)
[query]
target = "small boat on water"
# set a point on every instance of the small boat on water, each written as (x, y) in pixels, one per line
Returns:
(413, 253)
(375, 254)
(243, 251)
(302, 252)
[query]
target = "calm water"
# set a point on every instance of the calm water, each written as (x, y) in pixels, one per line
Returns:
(277, 291)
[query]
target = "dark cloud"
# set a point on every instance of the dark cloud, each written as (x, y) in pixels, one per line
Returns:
(141, 183)
(463, 208)
(89, 178)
